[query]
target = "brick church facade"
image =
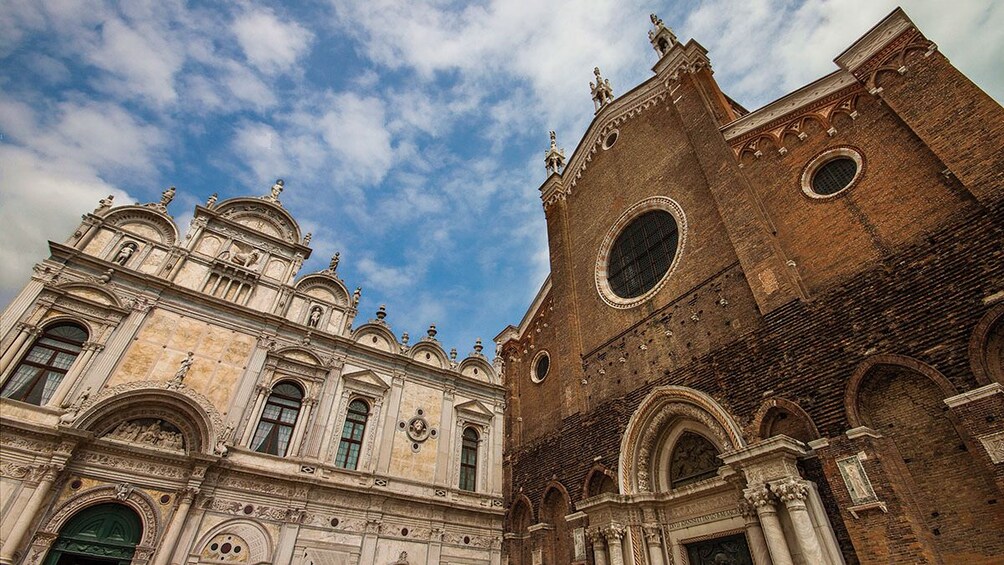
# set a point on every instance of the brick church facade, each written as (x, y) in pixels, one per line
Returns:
(771, 336)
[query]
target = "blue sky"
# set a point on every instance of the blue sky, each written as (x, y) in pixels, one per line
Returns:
(410, 134)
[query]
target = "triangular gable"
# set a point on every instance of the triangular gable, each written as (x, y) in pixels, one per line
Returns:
(475, 407)
(366, 379)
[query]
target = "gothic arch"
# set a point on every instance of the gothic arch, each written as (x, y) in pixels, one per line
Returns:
(765, 418)
(124, 494)
(988, 339)
(554, 485)
(259, 542)
(555, 504)
(189, 411)
(596, 476)
(521, 500)
(662, 408)
(852, 393)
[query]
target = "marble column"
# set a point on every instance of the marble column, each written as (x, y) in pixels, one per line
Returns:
(754, 533)
(16, 349)
(392, 412)
(762, 499)
(17, 307)
(614, 534)
(793, 493)
(47, 475)
(263, 392)
(70, 378)
(653, 539)
(443, 446)
(599, 552)
(301, 424)
(170, 540)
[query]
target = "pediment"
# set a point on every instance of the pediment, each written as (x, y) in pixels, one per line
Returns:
(475, 408)
(365, 379)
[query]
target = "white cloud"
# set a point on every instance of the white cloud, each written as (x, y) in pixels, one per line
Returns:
(270, 44)
(142, 59)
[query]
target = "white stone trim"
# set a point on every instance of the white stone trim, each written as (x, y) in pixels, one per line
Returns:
(603, 256)
(872, 42)
(861, 431)
(825, 157)
(974, 395)
(533, 367)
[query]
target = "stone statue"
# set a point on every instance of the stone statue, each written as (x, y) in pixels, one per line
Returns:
(402, 559)
(601, 90)
(73, 410)
(167, 196)
(276, 191)
(104, 204)
(315, 316)
(306, 238)
(122, 491)
(212, 200)
(224, 440)
(333, 265)
(179, 376)
(125, 252)
(356, 295)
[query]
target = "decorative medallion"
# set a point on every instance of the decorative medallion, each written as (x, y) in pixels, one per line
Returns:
(417, 429)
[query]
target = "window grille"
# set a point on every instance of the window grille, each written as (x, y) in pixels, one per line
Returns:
(38, 375)
(642, 254)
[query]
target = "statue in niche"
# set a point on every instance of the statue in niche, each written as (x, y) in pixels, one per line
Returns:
(245, 255)
(315, 316)
(125, 252)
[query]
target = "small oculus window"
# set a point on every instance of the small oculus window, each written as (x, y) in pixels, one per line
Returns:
(832, 172)
(610, 139)
(540, 367)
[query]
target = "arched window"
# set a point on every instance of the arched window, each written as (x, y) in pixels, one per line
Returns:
(352, 435)
(694, 459)
(469, 460)
(45, 365)
(277, 420)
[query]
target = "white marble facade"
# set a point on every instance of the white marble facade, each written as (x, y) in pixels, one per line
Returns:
(190, 343)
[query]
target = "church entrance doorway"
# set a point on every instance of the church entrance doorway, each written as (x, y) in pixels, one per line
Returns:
(105, 534)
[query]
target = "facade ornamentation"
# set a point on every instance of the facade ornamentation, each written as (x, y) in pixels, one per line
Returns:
(156, 433)
(601, 91)
(276, 190)
(183, 368)
(554, 158)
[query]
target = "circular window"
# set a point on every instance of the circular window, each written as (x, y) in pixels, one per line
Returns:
(640, 251)
(540, 366)
(610, 139)
(832, 172)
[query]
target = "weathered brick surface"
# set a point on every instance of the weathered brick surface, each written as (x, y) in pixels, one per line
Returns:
(898, 265)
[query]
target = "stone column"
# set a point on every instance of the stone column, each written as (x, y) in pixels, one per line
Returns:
(443, 444)
(170, 540)
(15, 350)
(793, 493)
(78, 367)
(393, 410)
(17, 307)
(614, 533)
(599, 552)
(754, 533)
(263, 392)
(760, 497)
(653, 540)
(301, 424)
(46, 476)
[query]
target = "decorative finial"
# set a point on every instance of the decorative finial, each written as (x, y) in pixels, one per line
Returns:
(554, 159)
(404, 338)
(356, 295)
(453, 354)
(333, 265)
(306, 238)
(273, 196)
(212, 200)
(662, 37)
(167, 196)
(432, 331)
(601, 90)
(104, 204)
(381, 312)
(478, 348)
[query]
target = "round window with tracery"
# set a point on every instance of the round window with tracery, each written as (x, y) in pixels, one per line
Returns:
(640, 251)
(226, 548)
(832, 172)
(540, 367)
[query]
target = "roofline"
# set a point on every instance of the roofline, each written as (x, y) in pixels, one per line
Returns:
(524, 323)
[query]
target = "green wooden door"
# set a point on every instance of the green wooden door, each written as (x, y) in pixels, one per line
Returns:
(98, 535)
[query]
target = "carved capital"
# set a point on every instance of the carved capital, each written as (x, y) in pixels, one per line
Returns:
(595, 535)
(652, 534)
(760, 497)
(747, 510)
(791, 491)
(613, 533)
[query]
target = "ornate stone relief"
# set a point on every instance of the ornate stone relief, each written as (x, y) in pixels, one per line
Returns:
(856, 479)
(417, 429)
(156, 433)
(994, 444)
